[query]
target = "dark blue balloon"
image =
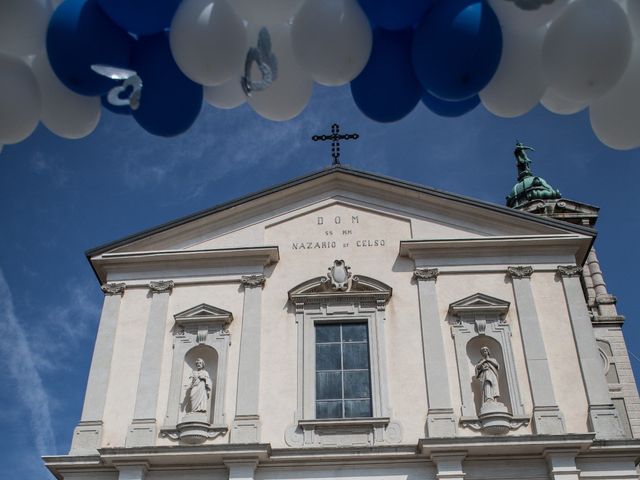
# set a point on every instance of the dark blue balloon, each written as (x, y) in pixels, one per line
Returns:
(457, 48)
(395, 14)
(169, 101)
(142, 17)
(446, 108)
(81, 35)
(387, 89)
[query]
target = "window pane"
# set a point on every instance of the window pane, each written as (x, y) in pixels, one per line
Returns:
(356, 356)
(327, 332)
(356, 384)
(354, 332)
(328, 385)
(329, 409)
(328, 357)
(357, 408)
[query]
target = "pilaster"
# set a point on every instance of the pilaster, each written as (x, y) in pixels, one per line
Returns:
(562, 464)
(547, 418)
(246, 424)
(449, 465)
(603, 417)
(88, 433)
(143, 430)
(241, 469)
(132, 472)
(441, 421)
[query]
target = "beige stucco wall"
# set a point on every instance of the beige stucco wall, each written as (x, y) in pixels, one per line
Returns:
(369, 242)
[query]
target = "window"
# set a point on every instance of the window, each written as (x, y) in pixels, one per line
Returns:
(343, 379)
(342, 394)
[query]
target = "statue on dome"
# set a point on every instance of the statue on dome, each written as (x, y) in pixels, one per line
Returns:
(523, 161)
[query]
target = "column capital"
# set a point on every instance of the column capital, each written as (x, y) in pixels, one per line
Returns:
(252, 281)
(113, 288)
(569, 270)
(521, 271)
(425, 274)
(161, 286)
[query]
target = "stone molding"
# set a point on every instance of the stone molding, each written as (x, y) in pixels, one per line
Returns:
(161, 286)
(425, 274)
(569, 270)
(113, 288)
(252, 281)
(520, 271)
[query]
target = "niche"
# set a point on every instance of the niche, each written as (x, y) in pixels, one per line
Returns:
(473, 353)
(195, 410)
(199, 384)
(479, 321)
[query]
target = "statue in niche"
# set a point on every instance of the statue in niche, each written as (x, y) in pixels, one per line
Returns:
(199, 389)
(487, 372)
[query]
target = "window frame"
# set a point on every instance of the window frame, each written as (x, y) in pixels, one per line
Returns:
(364, 301)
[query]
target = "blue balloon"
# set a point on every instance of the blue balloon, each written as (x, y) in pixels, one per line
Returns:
(395, 14)
(387, 88)
(81, 35)
(169, 101)
(457, 48)
(446, 108)
(142, 17)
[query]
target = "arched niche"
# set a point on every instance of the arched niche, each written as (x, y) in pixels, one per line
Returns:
(210, 357)
(200, 332)
(476, 321)
(473, 354)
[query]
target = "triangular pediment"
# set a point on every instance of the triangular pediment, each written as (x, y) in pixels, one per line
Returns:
(479, 303)
(202, 314)
(360, 210)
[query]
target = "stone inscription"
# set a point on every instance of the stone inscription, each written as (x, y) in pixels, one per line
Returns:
(340, 231)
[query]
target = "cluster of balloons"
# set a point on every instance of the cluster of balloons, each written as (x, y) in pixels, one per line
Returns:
(62, 62)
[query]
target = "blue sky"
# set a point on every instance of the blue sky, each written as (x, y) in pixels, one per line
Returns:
(58, 198)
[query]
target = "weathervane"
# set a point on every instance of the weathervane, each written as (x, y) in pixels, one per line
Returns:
(335, 138)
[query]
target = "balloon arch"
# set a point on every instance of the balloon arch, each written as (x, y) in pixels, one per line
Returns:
(156, 60)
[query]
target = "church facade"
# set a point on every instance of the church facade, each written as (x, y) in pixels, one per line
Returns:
(348, 325)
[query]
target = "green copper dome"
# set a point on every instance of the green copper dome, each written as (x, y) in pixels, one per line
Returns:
(529, 187)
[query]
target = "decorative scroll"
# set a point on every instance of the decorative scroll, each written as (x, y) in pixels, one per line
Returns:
(569, 270)
(161, 286)
(425, 273)
(252, 281)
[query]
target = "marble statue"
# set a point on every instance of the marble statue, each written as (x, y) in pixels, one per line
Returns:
(487, 372)
(199, 389)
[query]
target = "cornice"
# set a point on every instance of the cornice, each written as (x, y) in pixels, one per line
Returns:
(259, 257)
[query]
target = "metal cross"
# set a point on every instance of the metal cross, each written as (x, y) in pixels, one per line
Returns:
(335, 138)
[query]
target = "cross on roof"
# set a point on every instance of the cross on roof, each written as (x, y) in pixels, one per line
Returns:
(335, 138)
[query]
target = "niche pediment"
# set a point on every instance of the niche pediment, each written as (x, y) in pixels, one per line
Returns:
(203, 314)
(339, 282)
(479, 303)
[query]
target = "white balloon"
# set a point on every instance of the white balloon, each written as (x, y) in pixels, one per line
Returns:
(289, 94)
(587, 49)
(228, 95)
(615, 117)
(518, 84)
(633, 12)
(208, 41)
(23, 26)
(514, 18)
(557, 104)
(266, 12)
(331, 40)
(19, 100)
(64, 112)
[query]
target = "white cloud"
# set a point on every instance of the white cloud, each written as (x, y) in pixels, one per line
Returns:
(21, 368)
